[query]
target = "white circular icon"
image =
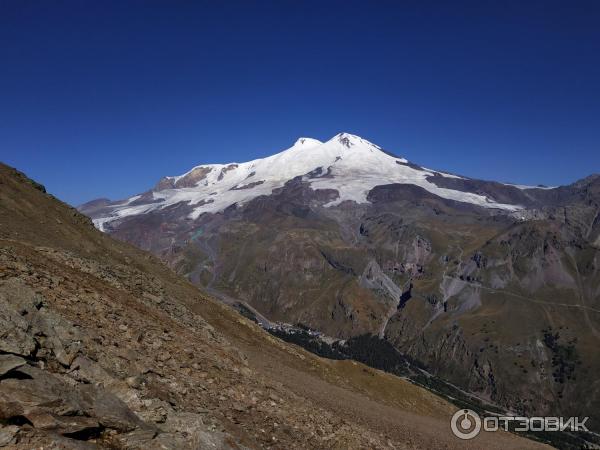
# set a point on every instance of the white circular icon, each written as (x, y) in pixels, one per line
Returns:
(465, 424)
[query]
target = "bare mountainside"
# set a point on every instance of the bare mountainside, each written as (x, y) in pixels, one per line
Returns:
(492, 286)
(103, 346)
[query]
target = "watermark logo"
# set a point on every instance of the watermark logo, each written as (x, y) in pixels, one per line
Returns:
(466, 423)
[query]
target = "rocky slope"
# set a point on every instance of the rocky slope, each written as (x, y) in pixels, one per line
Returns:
(101, 346)
(492, 286)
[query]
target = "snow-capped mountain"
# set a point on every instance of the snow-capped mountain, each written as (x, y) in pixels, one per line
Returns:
(347, 164)
(350, 240)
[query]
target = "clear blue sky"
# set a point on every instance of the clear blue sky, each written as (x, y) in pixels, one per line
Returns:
(102, 98)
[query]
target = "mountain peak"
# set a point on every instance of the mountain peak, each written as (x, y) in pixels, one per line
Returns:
(349, 165)
(307, 142)
(347, 139)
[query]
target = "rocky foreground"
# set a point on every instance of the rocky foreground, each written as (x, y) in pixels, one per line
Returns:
(101, 346)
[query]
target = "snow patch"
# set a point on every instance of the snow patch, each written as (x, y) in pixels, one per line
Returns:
(525, 187)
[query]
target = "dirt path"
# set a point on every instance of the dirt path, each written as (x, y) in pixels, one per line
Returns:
(529, 299)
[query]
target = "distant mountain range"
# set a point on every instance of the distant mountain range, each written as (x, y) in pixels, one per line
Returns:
(492, 286)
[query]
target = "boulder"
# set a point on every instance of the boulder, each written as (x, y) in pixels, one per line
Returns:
(10, 362)
(49, 403)
(7, 434)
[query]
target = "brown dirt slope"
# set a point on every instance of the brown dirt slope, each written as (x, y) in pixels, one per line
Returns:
(102, 346)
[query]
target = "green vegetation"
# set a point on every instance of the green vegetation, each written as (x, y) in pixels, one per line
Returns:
(564, 356)
(380, 354)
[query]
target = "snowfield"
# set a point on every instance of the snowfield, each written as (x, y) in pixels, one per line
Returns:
(348, 164)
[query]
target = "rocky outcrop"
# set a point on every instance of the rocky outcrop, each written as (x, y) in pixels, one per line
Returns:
(51, 388)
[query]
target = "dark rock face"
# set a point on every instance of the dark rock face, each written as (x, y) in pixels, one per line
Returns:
(580, 192)
(247, 186)
(193, 177)
(502, 193)
(417, 197)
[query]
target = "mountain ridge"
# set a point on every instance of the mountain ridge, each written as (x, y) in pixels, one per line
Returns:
(347, 164)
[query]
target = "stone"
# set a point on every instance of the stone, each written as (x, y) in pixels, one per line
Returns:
(22, 316)
(88, 371)
(135, 381)
(134, 439)
(163, 356)
(109, 410)
(50, 403)
(10, 362)
(7, 434)
(63, 424)
(14, 326)
(62, 338)
(37, 391)
(184, 422)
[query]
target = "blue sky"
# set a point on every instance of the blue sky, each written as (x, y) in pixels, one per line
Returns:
(101, 99)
